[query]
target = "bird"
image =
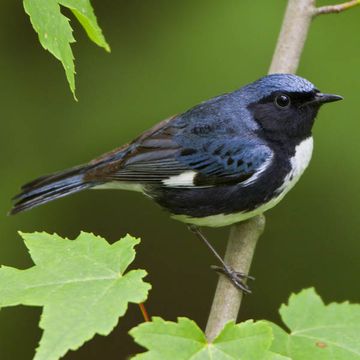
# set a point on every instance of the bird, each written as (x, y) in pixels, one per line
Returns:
(223, 161)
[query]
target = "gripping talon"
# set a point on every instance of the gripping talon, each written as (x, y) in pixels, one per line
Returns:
(235, 277)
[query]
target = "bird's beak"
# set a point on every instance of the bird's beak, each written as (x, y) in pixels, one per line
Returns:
(321, 98)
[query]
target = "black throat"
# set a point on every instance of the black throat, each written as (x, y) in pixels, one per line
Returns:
(285, 127)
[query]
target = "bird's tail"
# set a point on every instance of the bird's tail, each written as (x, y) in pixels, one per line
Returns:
(51, 187)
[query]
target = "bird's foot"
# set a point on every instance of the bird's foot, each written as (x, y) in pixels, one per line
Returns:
(236, 277)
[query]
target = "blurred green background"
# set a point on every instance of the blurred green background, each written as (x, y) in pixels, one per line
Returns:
(166, 57)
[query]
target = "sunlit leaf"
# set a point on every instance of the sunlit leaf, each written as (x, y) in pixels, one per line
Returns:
(318, 331)
(82, 285)
(184, 340)
(55, 32)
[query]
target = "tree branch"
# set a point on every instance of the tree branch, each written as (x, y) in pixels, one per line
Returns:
(292, 36)
(331, 9)
(239, 253)
(244, 236)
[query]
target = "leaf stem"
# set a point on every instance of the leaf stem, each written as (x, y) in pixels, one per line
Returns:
(144, 312)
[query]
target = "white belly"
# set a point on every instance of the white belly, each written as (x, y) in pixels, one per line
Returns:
(299, 163)
(120, 185)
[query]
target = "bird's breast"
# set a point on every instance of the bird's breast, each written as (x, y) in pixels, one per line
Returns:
(257, 198)
(299, 162)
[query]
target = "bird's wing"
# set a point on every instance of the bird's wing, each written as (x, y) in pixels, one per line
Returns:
(160, 157)
(225, 161)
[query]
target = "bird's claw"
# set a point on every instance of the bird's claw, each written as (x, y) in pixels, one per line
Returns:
(235, 277)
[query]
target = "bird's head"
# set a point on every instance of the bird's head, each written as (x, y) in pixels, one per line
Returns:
(285, 105)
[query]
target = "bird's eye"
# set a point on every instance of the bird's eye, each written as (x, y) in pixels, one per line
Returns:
(282, 101)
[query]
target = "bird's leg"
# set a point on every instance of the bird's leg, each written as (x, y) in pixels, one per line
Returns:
(237, 278)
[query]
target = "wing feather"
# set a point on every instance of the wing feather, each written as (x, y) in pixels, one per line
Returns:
(158, 155)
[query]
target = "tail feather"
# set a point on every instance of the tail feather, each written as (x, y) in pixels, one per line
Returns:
(51, 187)
(56, 176)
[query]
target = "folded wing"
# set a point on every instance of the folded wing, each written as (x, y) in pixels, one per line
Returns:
(159, 158)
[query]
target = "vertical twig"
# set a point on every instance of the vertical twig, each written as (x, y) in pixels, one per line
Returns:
(242, 240)
(292, 36)
(244, 236)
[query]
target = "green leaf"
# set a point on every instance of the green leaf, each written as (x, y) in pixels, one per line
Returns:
(318, 331)
(55, 32)
(184, 341)
(84, 12)
(81, 284)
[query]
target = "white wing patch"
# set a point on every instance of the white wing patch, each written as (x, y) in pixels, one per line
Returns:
(184, 179)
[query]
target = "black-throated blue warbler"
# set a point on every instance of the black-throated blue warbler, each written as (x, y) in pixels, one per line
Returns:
(223, 161)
